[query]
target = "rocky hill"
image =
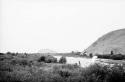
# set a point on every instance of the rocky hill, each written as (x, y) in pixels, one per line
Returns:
(113, 41)
(46, 51)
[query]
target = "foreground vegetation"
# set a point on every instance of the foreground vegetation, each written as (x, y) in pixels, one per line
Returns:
(114, 56)
(39, 68)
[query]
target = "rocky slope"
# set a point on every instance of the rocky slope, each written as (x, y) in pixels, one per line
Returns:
(113, 41)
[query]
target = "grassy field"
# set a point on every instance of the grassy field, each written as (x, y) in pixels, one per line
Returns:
(29, 68)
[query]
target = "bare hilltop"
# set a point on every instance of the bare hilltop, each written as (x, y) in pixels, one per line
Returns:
(112, 41)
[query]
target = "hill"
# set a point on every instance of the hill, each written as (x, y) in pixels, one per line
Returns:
(46, 51)
(113, 41)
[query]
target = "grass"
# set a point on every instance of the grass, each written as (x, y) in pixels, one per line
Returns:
(23, 69)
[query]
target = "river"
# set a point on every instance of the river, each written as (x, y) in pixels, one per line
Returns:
(83, 62)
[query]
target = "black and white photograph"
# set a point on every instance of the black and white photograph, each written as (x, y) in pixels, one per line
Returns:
(62, 41)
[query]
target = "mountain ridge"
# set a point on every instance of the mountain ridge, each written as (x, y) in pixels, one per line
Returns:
(46, 51)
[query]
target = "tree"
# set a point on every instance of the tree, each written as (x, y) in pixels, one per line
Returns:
(112, 53)
(90, 55)
(62, 60)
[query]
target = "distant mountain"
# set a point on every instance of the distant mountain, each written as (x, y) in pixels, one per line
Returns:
(113, 41)
(46, 51)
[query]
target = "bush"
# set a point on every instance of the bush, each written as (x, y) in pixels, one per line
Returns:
(41, 59)
(8, 53)
(50, 59)
(47, 59)
(114, 57)
(6, 67)
(1, 53)
(44, 72)
(90, 55)
(94, 73)
(66, 73)
(23, 62)
(99, 73)
(62, 60)
(117, 57)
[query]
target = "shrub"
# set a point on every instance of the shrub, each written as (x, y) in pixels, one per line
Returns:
(64, 73)
(23, 62)
(50, 59)
(66, 66)
(90, 55)
(2, 58)
(114, 57)
(76, 53)
(47, 59)
(99, 73)
(62, 60)
(1, 53)
(44, 72)
(8, 53)
(41, 59)
(67, 73)
(6, 67)
(117, 57)
(65, 70)
(116, 74)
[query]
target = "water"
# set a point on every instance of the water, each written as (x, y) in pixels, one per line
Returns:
(83, 62)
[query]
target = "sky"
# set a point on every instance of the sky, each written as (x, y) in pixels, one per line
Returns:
(59, 25)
